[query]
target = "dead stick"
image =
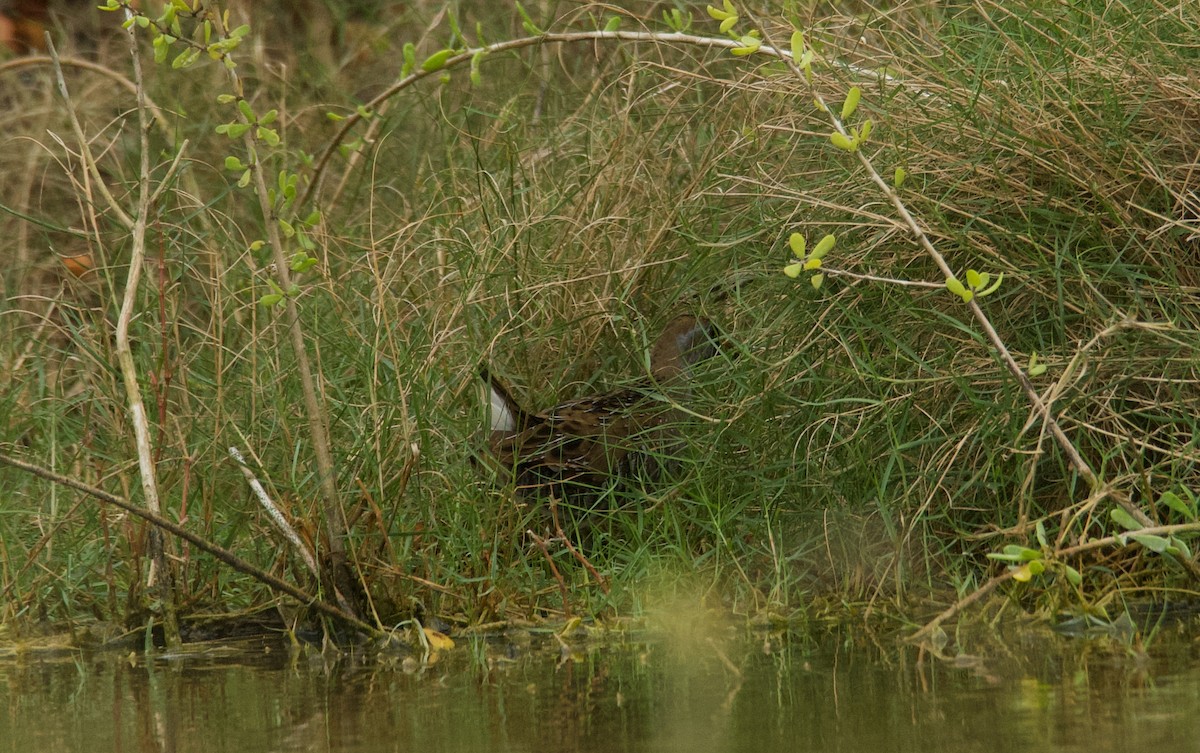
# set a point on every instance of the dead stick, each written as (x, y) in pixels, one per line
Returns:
(224, 555)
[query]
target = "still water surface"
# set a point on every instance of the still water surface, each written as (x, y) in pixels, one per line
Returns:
(736, 691)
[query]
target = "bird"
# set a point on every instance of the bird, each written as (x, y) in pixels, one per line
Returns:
(573, 452)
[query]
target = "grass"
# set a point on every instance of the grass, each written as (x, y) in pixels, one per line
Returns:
(856, 447)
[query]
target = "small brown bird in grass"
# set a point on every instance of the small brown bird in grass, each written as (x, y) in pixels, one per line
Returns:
(573, 451)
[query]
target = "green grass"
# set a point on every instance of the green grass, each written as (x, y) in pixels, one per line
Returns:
(859, 445)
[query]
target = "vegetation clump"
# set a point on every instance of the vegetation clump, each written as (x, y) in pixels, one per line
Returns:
(986, 384)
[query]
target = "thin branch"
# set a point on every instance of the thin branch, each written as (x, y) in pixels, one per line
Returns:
(224, 555)
(85, 153)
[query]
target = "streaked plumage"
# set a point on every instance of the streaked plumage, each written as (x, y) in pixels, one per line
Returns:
(574, 450)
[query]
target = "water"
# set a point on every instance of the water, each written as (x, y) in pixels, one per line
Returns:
(734, 690)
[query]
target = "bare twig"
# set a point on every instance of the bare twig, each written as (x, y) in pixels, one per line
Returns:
(274, 513)
(224, 555)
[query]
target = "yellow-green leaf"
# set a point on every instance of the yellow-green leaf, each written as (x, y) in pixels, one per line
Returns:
(717, 14)
(973, 279)
(613, 24)
(1176, 503)
(816, 281)
(1156, 544)
(749, 45)
(437, 60)
(841, 141)
(955, 287)
(793, 270)
(900, 176)
(728, 24)
(824, 246)
(410, 59)
(1038, 370)
(797, 46)
(812, 263)
(1073, 576)
(851, 103)
(796, 242)
(1124, 519)
(1023, 573)
(994, 286)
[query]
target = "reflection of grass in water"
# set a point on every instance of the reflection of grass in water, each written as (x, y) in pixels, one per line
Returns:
(550, 221)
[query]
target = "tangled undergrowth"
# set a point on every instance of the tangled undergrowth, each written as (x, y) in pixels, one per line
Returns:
(856, 448)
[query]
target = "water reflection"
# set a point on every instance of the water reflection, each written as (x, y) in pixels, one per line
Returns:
(736, 691)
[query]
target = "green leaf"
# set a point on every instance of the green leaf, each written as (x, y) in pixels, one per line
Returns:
(1023, 553)
(816, 281)
(841, 141)
(527, 22)
(1176, 503)
(716, 14)
(1124, 519)
(1179, 548)
(955, 287)
(410, 59)
(851, 103)
(1037, 370)
(900, 176)
(247, 111)
(287, 228)
(866, 130)
(161, 48)
(824, 246)
(437, 60)
(793, 270)
(476, 59)
(728, 23)
(972, 279)
(185, 58)
(244, 180)
(797, 46)
(224, 99)
(1073, 576)
(1156, 544)
(749, 45)
(614, 23)
(233, 163)
(796, 242)
(1040, 532)
(270, 299)
(1001, 557)
(994, 286)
